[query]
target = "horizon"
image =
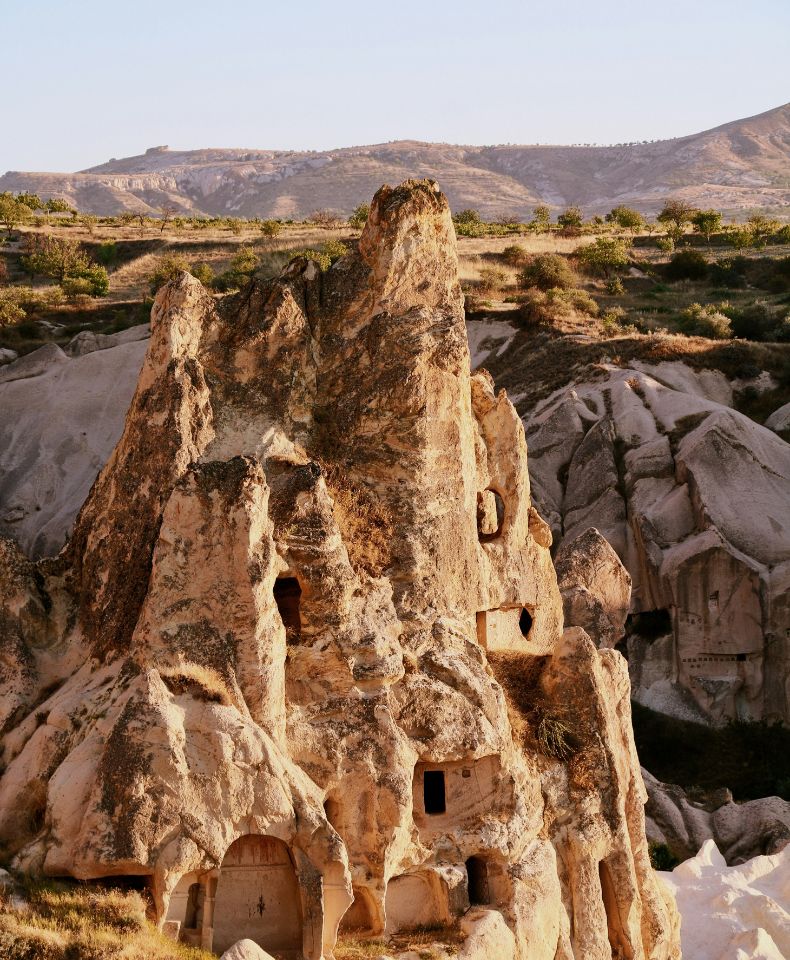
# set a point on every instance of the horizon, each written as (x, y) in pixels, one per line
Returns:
(519, 77)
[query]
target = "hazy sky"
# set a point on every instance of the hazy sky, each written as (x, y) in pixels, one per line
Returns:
(85, 80)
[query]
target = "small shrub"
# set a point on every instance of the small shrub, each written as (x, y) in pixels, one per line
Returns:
(554, 738)
(271, 228)
(614, 286)
(107, 253)
(547, 271)
(76, 288)
(492, 280)
(334, 249)
(10, 312)
(359, 216)
(166, 269)
(573, 299)
(204, 273)
(666, 244)
(515, 255)
(661, 857)
(687, 265)
(705, 321)
(603, 255)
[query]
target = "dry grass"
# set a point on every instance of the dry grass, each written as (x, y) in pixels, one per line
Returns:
(364, 521)
(203, 683)
(429, 943)
(71, 921)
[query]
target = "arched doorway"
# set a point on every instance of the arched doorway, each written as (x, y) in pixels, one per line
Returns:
(258, 896)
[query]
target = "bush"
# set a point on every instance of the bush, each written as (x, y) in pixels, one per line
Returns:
(515, 255)
(705, 321)
(10, 312)
(271, 228)
(687, 265)
(547, 271)
(603, 255)
(167, 269)
(95, 277)
(661, 857)
(666, 244)
(359, 216)
(492, 280)
(614, 286)
(760, 321)
(204, 273)
(107, 254)
(573, 299)
(334, 249)
(571, 218)
(330, 252)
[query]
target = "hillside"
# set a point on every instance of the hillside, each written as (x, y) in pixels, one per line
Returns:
(736, 167)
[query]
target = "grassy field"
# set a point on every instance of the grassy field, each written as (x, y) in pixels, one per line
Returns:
(638, 306)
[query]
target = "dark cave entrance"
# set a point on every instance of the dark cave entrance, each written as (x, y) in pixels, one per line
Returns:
(477, 878)
(287, 596)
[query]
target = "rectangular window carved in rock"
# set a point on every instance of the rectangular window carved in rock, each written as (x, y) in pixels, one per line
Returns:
(433, 791)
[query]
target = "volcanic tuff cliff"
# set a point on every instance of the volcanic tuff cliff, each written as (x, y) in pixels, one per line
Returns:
(264, 671)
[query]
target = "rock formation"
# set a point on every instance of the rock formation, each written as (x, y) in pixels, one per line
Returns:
(63, 412)
(263, 676)
(740, 830)
(693, 497)
(595, 587)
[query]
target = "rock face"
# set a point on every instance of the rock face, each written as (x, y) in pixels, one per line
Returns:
(595, 587)
(63, 412)
(740, 830)
(693, 497)
(263, 673)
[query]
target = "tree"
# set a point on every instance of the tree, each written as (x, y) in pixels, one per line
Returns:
(541, 218)
(626, 218)
(741, 238)
(604, 255)
(572, 218)
(761, 228)
(359, 217)
(706, 222)
(57, 205)
(54, 257)
(674, 215)
(12, 212)
(325, 218)
(31, 200)
(168, 211)
(687, 264)
(89, 221)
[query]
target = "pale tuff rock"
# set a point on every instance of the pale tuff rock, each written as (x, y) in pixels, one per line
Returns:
(693, 498)
(263, 672)
(595, 587)
(739, 912)
(740, 830)
(61, 418)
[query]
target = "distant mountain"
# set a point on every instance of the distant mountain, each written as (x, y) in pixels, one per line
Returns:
(735, 167)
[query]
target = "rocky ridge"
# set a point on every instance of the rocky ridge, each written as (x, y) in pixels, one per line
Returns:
(737, 166)
(262, 675)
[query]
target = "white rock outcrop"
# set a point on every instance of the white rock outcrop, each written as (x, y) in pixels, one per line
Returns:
(733, 913)
(62, 414)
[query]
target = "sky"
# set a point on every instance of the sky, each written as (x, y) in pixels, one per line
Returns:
(85, 80)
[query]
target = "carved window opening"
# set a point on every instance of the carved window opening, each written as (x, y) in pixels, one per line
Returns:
(525, 622)
(287, 596)
(361, 915)
(490, 515)
(477, 879)
(433, 792)
(740, 657)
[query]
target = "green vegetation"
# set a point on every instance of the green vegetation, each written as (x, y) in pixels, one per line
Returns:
(603, 255)
(13, 211)
(661, 857)
(359, 217)
(750, 759)
(686, 264)
(548, 271)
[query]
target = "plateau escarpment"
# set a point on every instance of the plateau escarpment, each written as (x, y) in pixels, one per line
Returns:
(267, 673)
